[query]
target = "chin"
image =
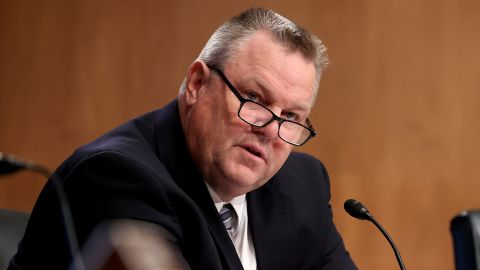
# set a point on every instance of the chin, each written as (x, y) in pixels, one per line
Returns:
(235, 177)
(246, 179)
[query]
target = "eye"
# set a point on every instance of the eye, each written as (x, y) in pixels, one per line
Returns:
(290, 116)
(252, 95)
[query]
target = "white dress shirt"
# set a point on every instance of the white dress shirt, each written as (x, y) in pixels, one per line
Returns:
(243, 240)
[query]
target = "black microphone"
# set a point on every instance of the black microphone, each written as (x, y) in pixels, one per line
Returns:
(9, 164)
(356, 209)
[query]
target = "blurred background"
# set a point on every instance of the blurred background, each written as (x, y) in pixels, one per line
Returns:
(397, 114)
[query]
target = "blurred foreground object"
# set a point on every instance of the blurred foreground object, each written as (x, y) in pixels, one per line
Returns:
(132, 245)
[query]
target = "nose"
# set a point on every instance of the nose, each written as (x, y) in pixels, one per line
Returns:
(269, 131)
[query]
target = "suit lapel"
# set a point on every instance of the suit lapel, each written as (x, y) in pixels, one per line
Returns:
(198, 191)
(217, 230)
(272, 227)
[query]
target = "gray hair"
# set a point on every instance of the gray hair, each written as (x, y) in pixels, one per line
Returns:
(225, 40)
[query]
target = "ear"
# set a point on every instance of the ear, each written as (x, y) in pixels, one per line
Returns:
(197, 78)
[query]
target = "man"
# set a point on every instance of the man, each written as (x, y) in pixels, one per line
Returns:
(214, 168)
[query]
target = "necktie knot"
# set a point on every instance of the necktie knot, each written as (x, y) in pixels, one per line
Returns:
(229, 218)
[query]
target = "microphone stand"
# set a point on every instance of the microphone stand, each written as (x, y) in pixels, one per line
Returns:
(390, 241)
(11, 164)
(356, 209)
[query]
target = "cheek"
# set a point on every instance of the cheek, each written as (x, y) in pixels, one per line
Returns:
(213, 126)
(227, 125)
(281, 151)
(200, 131)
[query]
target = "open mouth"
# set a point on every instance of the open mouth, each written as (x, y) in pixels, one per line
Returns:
(253, 151)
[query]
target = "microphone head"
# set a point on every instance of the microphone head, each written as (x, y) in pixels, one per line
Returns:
(9, 164)
(356, 209)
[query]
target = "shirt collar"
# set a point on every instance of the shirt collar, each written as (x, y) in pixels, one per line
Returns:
(238, 202)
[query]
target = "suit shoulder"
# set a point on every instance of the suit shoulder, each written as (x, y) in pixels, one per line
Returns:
(135, 140)
(300, 156)
(298, 161)
(304, 170)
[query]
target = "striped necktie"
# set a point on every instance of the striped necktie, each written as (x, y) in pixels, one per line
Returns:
(229, 219)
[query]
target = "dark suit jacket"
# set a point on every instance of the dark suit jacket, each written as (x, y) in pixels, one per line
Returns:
(143, 170)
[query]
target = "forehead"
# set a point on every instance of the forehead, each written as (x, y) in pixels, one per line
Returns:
(264, 61)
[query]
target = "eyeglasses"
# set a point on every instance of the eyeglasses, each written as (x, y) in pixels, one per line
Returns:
(259, 115)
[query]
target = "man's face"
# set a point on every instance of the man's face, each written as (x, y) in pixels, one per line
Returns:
(233, 156)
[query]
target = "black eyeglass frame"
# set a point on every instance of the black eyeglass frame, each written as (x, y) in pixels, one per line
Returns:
(280, 120)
